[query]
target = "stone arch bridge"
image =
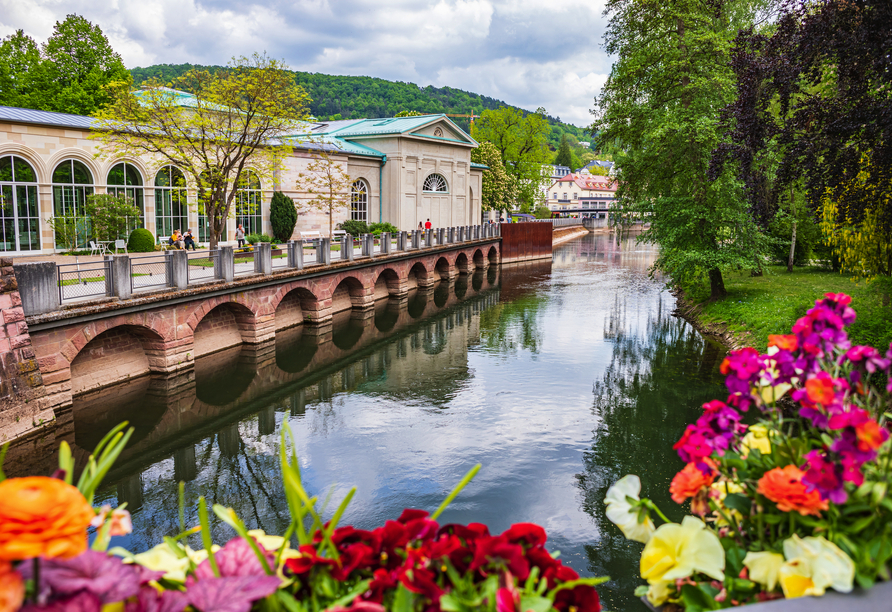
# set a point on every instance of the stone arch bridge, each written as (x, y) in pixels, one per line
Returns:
(89, 347)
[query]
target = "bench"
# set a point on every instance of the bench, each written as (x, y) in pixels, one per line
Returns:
(310, 235)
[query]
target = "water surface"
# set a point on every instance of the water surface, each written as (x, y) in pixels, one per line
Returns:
(558, 377)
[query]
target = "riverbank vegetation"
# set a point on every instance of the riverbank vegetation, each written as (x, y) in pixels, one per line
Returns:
(754, 133)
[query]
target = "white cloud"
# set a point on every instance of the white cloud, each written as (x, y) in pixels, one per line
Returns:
(520, 51)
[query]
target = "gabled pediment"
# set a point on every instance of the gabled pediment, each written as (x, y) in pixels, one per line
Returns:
(443, 129)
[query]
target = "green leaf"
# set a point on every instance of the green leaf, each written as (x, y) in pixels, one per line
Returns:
(461, 485)
(289, 602)
(734, 559)
(736, 501)
(699, 597)
(449, 603)
(3, 450)
(206, 534)
(535, 604)
(641, 590)
(355, 592)
(404, 600)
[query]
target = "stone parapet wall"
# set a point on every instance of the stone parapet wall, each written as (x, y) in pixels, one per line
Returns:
(23, 403)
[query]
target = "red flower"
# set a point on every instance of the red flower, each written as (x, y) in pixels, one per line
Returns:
(307, 560)
(820, 389)
(528, 533)
(468, 533)
(418, 525)
(354, 556)
(583, 598)
(421, 581)
(785, 343)
(499, 552)
(382, 581)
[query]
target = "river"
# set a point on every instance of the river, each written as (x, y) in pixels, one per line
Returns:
(559, 378)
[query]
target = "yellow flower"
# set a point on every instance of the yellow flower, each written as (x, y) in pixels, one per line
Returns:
(813, 565)
(619, 510)
(162, 559)
(659, 592)
(269, 542)
(718, 491)
(756, 437)
(677, 551)
(764, 567)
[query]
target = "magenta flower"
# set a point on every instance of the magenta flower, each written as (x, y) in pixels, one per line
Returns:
(150, 600)
(237, 558)
(234, 594)
(824, 476)
(84, 601)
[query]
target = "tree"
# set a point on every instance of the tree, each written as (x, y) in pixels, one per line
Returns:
(522, 143)
(79, 69)
(670, 75)
(110, 217)
(282, 216)
(498, 189)
(19, 65)
(564, 156)
(234, 120)
(328, 184)
(812, 115)
(408, 113)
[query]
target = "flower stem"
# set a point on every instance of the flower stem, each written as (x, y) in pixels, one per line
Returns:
(36, 594)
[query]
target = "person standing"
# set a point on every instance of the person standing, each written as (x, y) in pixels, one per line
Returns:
(428, 225)
(240, 235)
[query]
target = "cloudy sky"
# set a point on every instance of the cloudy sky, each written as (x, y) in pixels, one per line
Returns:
(528, 53)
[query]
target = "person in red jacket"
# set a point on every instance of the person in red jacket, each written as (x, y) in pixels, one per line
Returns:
(428, 225)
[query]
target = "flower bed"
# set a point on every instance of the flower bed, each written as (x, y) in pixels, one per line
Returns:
(795, 504)
(411, 564)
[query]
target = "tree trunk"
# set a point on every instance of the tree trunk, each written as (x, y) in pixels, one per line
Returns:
(213, 237)
(792, 248)
(716, 284)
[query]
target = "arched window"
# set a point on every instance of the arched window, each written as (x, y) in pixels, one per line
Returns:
(19, 213)
(171, 202)
(72, 183)
(435, 183)
(248, 198)
(359, 201)
(125, 180)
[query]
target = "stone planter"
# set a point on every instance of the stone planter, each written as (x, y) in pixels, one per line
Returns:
(877, 599)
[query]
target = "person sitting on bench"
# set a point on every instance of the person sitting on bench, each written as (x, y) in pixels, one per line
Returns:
(176, 240)
(188, 240)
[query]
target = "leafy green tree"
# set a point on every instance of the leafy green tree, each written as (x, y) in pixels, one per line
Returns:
(408, 113)
(241, 110)
(80, 70)
(542, 212)
(498, 188)
(282, 216)
(660, 102)
(19, 65)
(522, 143)
(564, 156)
(327, 184)
(111, 217)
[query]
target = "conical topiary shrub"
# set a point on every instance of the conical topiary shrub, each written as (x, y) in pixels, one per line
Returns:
(282, 216)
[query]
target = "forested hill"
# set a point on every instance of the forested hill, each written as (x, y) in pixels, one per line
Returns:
(356, 97)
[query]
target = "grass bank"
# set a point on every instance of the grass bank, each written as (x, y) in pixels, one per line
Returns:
(770, 304)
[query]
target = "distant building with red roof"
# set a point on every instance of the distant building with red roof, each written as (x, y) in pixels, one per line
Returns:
(581, 194)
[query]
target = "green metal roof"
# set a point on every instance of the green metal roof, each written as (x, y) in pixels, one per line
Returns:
(328, 142)
(481, 166)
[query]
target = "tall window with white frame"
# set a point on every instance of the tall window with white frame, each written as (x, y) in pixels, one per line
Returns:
(359, 201)
(72, 183)
(124, 179)
(19, 212)
(435, 183)
(248, 209)
(171, 202)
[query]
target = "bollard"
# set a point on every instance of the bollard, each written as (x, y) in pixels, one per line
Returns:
(401, 241)
(386, 245)
(461, 233)
(118, 280)
(177, 269)
(441, 236)
(429, 238)
(296, 254)
(323, 251)
(370, 244)
(224, 263)
(364, 244)
(38, 284)
(347, 247)
(451, 237)
(263, 258)
(416, 239)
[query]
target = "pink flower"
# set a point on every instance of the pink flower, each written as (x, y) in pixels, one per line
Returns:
(824, 476)
(120, 521)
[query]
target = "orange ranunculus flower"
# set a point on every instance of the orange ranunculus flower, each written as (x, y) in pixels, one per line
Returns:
(786, 343)
(784, 487)
(688, 482)
(820, 390)
(12, 588)
(42, 517)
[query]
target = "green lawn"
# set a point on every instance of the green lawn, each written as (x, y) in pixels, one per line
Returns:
(771, 303)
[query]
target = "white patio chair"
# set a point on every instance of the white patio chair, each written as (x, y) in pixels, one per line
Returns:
(96, 249)
(121, 244)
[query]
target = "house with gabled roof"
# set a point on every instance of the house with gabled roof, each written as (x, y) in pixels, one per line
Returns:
(578, 194)
(404, 170)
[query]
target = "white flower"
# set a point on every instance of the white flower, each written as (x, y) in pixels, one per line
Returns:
(814, 564)
(620, 512)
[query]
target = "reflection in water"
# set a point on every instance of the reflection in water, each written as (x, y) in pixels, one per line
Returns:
(402, 401)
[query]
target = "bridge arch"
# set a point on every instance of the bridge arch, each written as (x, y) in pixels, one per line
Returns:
(293, 306)
(121, 352)
(479, 259)
(418, 275)
(349, 293)
(493, 255)
(444, 268)
(387, 284)
(462, 264)
(226, 324)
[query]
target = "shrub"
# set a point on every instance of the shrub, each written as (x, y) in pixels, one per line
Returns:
(808, 236)
(378, 228)
(141, 241)
(282, 216)
(354, 227)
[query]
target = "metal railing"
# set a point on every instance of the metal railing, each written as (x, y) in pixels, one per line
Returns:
(202, 265)
(148, 273)
(83, 280)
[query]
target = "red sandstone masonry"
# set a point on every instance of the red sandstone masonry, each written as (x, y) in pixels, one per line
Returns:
(166, 334)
